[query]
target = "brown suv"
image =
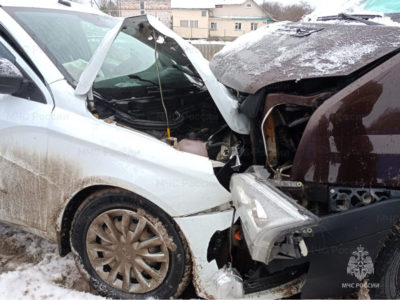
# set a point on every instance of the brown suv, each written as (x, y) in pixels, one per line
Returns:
(324, 100)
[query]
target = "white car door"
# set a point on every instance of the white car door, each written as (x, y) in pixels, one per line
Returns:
(24, 117)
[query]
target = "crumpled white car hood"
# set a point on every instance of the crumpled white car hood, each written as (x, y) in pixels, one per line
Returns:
(226, 103)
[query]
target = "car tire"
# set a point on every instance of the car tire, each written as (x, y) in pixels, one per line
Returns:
(129, 248)
(387, 271)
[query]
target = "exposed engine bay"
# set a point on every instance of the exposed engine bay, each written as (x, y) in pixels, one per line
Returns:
(195, 123)
(153, 87)
(166, 98)
(191, 112)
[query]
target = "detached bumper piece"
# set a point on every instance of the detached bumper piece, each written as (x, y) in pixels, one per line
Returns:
(273, 223)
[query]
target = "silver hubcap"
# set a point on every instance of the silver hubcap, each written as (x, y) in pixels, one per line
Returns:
(127, 250)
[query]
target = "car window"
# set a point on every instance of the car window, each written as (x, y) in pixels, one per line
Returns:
(4, 53)
(127, 56)
(68, 38)
(383, 6)
(29, 89)
(131, 62)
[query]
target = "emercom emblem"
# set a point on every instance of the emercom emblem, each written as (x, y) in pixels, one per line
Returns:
(360, 264)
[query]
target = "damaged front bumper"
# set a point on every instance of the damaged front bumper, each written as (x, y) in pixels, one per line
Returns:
(273, 223)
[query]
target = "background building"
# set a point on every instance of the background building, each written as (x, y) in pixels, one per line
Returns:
(158, 8)
(217, 19)
(191, 18)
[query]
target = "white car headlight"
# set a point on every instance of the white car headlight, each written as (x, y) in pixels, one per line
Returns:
(266, 214)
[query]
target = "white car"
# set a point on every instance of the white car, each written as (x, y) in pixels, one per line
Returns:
(118, 142)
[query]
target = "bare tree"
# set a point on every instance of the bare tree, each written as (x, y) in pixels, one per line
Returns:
(287, 13)
(109, 7)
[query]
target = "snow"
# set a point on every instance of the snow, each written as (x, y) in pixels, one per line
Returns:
(252, 37)
(202, 42)
(241, 17)
(385, 21)
(186, 4)
(31, 268)
(229, 2)
(203, 3)
(334, 8)
(275, 54)
(335, 58)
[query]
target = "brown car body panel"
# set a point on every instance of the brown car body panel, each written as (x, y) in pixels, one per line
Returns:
(277, 99)
(276, 54)
(353, 138)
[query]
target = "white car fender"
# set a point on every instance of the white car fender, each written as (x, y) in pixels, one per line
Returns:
(84, 152)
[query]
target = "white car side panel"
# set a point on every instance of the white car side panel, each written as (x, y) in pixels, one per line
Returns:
(65, 98)
(23, 150)
(23, 140)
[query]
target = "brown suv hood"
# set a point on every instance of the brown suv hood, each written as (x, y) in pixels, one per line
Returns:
(293, 51)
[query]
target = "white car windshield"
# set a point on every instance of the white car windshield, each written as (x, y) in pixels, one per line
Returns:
(69, 38)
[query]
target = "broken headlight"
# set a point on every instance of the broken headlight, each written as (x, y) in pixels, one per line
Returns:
(266, 214)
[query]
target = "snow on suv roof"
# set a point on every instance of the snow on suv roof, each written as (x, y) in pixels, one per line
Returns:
(50, 4)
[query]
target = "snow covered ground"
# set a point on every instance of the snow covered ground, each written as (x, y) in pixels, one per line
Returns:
(31, 268)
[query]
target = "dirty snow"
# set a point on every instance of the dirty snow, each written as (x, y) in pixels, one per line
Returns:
(31, 268)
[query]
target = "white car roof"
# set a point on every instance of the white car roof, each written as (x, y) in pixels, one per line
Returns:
(50, 4)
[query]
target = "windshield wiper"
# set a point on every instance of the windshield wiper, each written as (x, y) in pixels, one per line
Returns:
(357, 18)
(196, 79)
(134, 76)
(185, 70)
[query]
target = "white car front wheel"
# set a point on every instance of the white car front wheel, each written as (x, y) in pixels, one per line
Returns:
(129, 247)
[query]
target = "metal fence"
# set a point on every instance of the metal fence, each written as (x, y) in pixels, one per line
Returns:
(209, 50)
(207, 33)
